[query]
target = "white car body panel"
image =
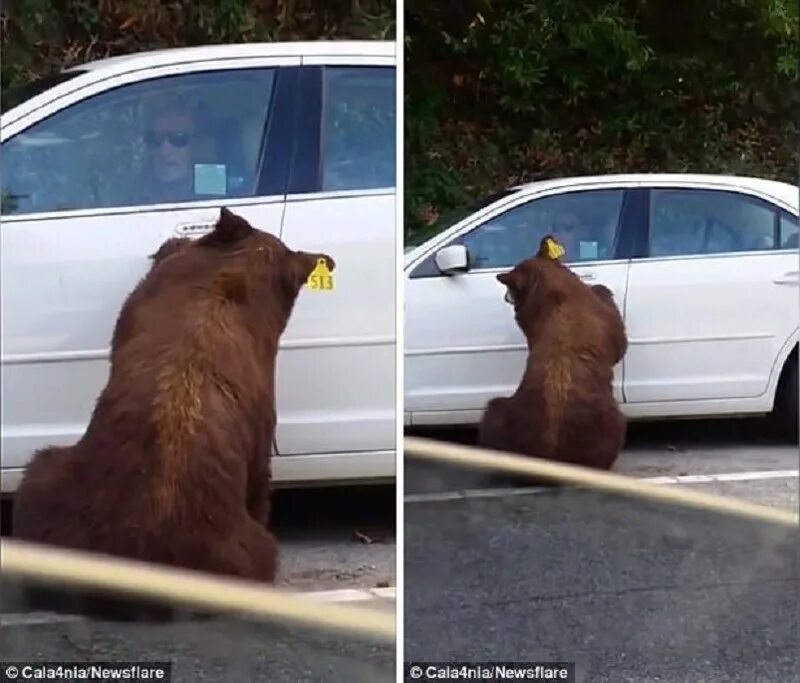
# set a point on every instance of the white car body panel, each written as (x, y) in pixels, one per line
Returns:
(487, 351)
(65, 275)
(333, 387)
(462, 345)
(691, 355)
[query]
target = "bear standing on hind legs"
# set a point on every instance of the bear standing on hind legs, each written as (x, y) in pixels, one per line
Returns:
(564, 407)
(174, 467)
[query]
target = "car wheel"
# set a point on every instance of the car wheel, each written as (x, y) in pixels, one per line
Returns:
(786, 402)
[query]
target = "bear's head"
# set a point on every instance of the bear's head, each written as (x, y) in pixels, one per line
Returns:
(538, 284)
(256, 269)
(238, 265)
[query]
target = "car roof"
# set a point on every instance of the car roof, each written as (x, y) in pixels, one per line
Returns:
(783, 192)
(787, 193)
(100, 69)
(182, 55)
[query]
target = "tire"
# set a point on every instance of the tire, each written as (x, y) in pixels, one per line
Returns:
(785, 414)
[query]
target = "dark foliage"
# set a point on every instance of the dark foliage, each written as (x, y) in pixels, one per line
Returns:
(503, 91)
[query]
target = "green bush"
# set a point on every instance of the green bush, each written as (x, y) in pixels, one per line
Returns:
(41, 37)
(507, 91)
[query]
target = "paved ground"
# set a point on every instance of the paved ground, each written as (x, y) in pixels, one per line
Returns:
(337, 538)
(338, 544)
(223, 651)
(767, 467)
(627, 590)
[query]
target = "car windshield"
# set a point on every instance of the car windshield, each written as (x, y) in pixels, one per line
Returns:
(22, 93)
(450, 218)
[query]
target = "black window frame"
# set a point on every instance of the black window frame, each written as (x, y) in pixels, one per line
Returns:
(277, 141)
(783, 213)
(306, 126)
(302, 132)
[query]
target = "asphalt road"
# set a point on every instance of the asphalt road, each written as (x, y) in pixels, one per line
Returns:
(627, 590)
(330, 540)
(334, 538)
(709, 448)
(221, 651)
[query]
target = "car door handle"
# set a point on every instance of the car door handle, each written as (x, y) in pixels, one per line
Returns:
(190, 229)
(587, 276)
(790, 278)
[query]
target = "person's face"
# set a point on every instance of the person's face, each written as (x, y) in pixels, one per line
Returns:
(565, 230)
(169, 143)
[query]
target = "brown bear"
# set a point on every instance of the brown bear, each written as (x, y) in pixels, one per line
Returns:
(124, 325)
(564, 407)
(618, 335)
(174, 467)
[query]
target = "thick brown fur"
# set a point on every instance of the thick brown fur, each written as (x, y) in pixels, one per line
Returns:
(174, 467)
(564, 408)
(618, 336)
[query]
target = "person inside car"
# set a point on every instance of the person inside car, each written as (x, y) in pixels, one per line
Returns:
(169, 166)
(567, 232)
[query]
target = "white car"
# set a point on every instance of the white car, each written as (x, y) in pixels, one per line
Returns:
(704, 269)
(299, 138)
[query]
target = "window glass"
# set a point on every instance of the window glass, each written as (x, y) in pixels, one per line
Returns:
(358, 128)
(449, 218)
(585, 223)
(172, 139)
(788, 231)
(685, 222)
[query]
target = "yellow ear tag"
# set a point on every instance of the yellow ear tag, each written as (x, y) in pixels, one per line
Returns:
(554, 249)
(321, 277)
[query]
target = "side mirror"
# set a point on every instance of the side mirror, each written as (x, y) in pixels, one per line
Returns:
(452, 259)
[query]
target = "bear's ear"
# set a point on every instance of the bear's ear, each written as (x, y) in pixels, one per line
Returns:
(229, 229)
(505, 278)
(302, 264)
(603, 292)
(519, 279)
(172, 245)
(550, 248)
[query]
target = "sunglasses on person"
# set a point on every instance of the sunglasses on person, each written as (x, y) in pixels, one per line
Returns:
(177, 139)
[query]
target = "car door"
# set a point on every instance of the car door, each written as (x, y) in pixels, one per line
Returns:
(463, 346)
(336, 364)
(713, 303)
(91, 186)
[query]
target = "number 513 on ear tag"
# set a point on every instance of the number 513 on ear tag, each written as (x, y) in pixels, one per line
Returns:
(321, 277)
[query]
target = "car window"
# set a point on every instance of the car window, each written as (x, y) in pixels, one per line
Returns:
(788, 231)
(449, 218)
(586, 223)
(172, 139)
(686, 222)
(358, 128)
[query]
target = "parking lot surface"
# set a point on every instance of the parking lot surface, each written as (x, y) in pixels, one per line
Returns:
(626, 589)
